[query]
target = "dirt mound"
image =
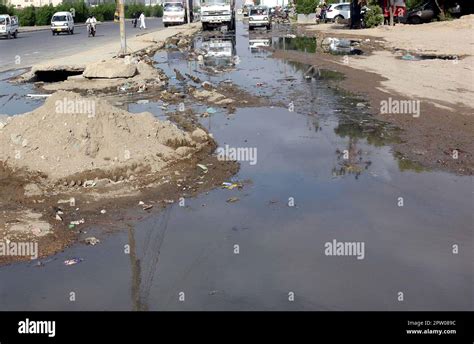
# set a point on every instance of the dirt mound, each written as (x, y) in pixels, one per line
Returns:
(71, 134)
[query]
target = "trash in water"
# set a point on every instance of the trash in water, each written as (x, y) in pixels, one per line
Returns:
(211, 110)
(231, 186)
(73, 261)
(410, 57)
(147, 206)
(143, 101)
(259, 84)
(91, 241)
(38, 95)
(233, 199)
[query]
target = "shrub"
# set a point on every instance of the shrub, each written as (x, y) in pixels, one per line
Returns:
(44, 14)
(373, 17)
(306, 6)
(103, 11)
(27, 16)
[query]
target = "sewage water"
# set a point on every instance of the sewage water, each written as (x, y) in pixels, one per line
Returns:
(252, 254)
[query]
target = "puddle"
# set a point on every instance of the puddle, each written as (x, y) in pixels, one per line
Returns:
(13, 97)
(419, 57)
(191, 250)
(304, 44)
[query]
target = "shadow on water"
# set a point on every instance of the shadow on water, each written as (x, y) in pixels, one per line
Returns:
(324, 171)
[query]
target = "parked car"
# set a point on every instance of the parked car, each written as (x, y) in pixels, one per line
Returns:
(260, 17)
(423, 14)
(8, 26)
(62, 22)
(338, 12)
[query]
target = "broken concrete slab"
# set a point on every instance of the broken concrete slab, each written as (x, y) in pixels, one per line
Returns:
(110, 69)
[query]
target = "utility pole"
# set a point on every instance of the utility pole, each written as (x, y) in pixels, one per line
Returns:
(123, 39)
(187, 11)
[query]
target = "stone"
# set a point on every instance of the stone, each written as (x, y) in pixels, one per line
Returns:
(110, 69)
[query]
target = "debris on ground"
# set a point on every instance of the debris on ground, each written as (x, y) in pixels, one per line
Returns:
(92, 241)
(73, 261)
(233, 199)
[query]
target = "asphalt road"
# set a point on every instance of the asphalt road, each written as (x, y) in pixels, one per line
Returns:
(38, 46)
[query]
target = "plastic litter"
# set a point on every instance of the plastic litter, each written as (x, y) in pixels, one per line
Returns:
(230, 186)
(91, 241)
(73, 261)
(31, 95)
(233, 199)
(203, 167)
(211, 110)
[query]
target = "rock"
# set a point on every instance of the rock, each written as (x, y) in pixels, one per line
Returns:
(110, 69)
(32, 190)
(183, 151)
(199, 135)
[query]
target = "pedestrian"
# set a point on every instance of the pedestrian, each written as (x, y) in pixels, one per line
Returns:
(142, 21)
(135, 19)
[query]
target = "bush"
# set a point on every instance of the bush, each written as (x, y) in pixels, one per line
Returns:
(27, 16)
(157, 11)
(44, 14)
(306, 6)
(103, 11)
(373, 17)
(411, 4)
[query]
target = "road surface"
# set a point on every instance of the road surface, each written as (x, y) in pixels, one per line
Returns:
(39, 46)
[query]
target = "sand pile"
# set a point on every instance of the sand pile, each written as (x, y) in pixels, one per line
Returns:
(71, 134)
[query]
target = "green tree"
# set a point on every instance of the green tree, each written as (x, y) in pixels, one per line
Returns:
(27, 16)
(44, 14)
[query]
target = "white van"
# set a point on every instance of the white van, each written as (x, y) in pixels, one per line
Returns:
(62, 22)
(173, 13)
(8, 26)
(259, 16)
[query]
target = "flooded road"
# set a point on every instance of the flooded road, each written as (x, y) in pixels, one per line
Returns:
(265, 250)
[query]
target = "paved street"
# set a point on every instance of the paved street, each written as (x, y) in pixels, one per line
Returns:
(39, 46)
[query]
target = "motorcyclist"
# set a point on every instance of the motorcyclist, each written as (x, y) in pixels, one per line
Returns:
(91, 23)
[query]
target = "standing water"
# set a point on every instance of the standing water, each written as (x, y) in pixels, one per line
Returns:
(268, 247)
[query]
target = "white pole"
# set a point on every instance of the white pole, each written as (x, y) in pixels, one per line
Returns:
(123, 39)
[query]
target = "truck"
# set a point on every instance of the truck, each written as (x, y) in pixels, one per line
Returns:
(174, 12)
(217, 13)
(8, 26)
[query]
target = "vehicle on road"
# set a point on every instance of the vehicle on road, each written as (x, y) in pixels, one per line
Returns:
(260, 17)
(338, 12)
(217, 13)
(91, 26)
(423, 14)
(246, 10)
(62, 22)
(8, 26)
(174, 13)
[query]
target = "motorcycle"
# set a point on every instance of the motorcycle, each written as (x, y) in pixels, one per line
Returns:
(90, 30)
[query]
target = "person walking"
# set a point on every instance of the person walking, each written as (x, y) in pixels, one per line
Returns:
(142, 21)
